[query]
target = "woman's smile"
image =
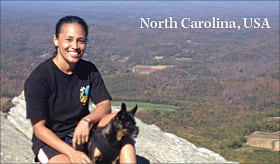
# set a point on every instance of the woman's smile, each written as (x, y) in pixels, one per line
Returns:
(74, 54)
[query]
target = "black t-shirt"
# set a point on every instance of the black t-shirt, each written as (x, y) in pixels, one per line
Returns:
(60, 98)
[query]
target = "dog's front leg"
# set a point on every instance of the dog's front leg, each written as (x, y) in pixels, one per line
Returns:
(97, 155)
(116, 161)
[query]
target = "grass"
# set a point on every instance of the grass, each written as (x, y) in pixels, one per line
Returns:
(252, 155)
(145, 106)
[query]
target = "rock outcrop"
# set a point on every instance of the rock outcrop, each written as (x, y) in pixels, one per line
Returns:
(152, 144)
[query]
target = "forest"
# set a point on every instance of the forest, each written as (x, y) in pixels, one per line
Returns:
(224, 82)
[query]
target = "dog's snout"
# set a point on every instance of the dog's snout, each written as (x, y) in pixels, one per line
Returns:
(135, 132)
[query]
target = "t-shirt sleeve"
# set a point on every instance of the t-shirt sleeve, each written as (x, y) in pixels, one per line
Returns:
(98, 90)
(36, 96)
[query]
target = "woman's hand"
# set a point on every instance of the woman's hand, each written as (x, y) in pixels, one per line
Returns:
(78, 157)
(81, 132)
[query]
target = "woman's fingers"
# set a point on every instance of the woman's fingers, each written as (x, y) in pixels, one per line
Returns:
(74, 140)
(82, 139)
(79, 139)
(81, 134)
(87, 138)
(86, 159)
(79, 157)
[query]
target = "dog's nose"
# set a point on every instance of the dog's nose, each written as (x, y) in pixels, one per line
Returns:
(135, 132)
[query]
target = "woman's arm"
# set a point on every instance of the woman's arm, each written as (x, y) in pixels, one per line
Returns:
(81, 133)
(47, 136)
(103, 108)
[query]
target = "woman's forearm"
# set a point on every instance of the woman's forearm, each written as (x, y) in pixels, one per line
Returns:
(103, 108)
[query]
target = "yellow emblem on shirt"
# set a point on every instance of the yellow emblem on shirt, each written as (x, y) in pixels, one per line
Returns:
(84, 93)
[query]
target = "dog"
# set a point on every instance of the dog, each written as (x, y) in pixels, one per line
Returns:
(105, 143)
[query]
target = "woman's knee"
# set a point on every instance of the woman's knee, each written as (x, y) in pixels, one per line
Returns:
(60, 158)
(128, 154)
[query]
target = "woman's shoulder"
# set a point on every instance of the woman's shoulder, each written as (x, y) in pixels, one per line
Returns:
(87, 65)
(41, 69)
(46, 64)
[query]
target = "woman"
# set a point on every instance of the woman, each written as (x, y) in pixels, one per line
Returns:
(57, 94)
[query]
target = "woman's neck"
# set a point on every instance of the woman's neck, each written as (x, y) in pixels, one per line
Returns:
(63, 65)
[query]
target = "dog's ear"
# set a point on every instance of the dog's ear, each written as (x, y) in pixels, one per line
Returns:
(133, 111)
(123, 108)
(122, 111)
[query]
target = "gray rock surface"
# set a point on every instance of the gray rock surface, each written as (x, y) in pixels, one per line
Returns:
(15, 146)
(152, 144)
(160, 147)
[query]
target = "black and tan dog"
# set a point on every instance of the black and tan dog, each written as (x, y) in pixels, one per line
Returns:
(105, 142)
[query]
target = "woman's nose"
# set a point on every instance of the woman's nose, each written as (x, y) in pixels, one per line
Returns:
(74, 45)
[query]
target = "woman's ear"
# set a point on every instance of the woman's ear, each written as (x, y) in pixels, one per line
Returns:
(55, 41)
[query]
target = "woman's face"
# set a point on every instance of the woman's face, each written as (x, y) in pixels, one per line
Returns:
(71, 42)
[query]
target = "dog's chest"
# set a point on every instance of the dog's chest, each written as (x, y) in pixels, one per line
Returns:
(101, 151)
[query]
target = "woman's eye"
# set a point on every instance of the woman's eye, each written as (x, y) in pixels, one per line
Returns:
(82, 41)
(69, 40)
